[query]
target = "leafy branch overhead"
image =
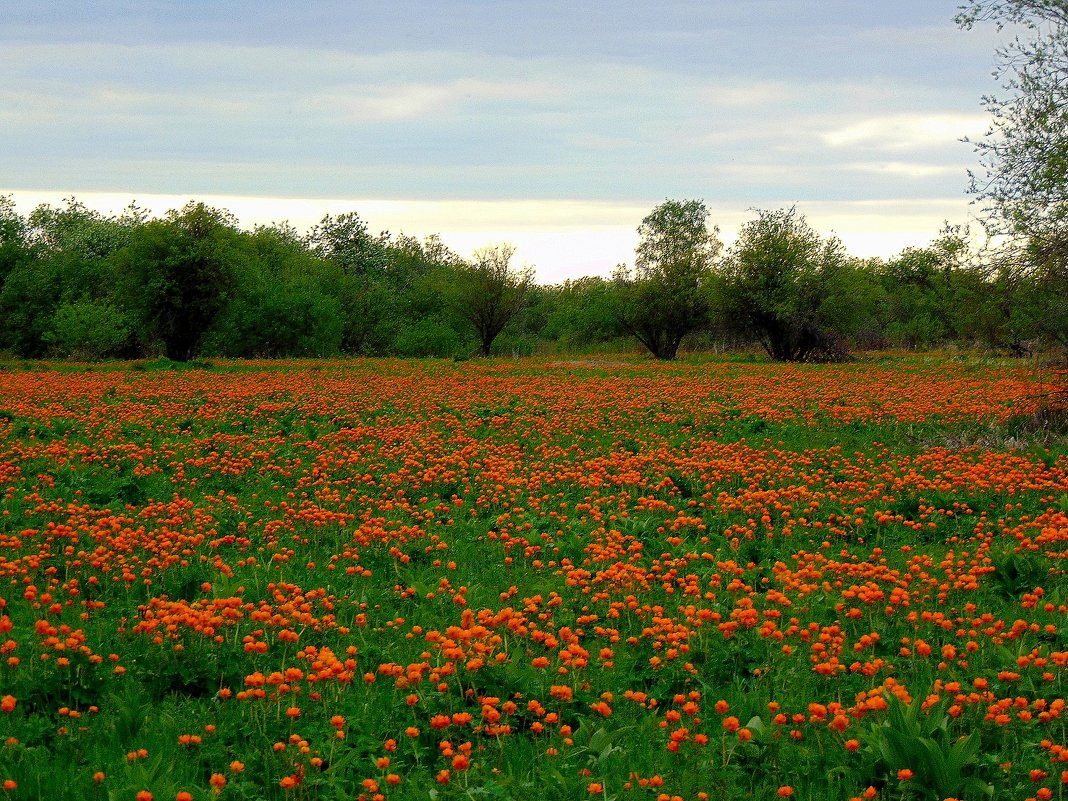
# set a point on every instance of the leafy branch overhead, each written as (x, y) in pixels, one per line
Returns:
(1023, 188)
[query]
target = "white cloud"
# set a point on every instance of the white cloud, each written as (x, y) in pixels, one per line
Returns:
(750, 94)
(410, 101)
(909, 131)
(905, 169)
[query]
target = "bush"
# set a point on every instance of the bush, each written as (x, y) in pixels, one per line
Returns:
(430, 336)
(88, 329)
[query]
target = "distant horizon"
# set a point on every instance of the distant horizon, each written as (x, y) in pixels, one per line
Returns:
(561, 240)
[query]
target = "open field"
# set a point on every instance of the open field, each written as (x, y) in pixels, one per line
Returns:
(412, 580)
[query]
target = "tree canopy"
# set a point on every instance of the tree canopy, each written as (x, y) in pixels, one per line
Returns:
(78, 283)
(181, 271)
(488, 293)
(667, 295)
(788, 287)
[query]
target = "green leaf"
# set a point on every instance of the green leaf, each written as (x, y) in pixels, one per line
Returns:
(903, 718)
(975, 786)
(599, 739)
(934, 768)
(963, 752)
(898, 749)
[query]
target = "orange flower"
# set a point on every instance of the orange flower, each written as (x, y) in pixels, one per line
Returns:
(7, 703)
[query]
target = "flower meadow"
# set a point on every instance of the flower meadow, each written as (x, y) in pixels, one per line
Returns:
(532, 579)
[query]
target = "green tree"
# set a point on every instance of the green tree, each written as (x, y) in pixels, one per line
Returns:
(285, 302)
(421, 319)
(346, 241)
(69, 260)
(366, 299)
(581, 313)
(15, 246)
(925, 289)
(179, 273)
(1025, 152)
(791, 290)
(1024, 184)
(18, 258)
(488, 293)
(668, 293)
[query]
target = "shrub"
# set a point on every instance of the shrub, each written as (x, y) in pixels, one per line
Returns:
(88, 329)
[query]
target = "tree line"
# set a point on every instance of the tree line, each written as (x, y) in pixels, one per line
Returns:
(76, 283)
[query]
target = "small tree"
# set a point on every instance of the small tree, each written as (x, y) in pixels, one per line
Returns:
(667, 295)
(180, 271)
(579, 313)
(284, 301)
(57, 256)
(788, 288)
(367, 300)
(489, 294)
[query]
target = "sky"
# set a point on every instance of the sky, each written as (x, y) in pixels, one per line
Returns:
(553, 125)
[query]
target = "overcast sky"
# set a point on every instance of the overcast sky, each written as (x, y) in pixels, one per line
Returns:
(555, 125)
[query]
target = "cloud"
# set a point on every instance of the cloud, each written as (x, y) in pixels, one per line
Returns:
(413, 101)
(908, 131)
(751, 94)
(296, 121)
(905, 169)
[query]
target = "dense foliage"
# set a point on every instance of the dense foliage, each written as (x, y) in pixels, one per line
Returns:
(77, 283)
